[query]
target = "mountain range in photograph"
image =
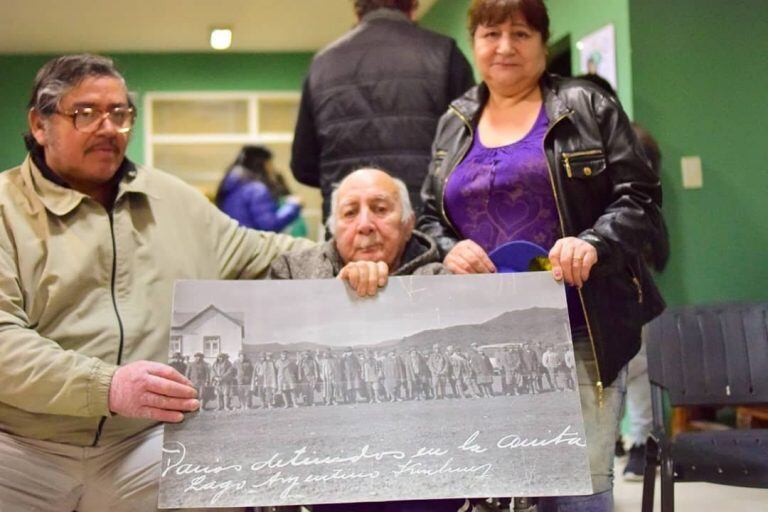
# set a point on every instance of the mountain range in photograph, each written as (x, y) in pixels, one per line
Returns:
(545, 325)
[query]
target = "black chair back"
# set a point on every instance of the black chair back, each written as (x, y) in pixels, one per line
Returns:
(712, 354)
(707, 355)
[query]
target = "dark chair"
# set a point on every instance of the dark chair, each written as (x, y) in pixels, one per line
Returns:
(707, 355)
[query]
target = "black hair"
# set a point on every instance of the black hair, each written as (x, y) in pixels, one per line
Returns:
(251, 165)
(58, 76)
(601, 82)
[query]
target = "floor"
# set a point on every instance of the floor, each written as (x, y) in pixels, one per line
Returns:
(691, 497)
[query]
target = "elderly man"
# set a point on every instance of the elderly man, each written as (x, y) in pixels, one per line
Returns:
(90, 246)
(373, 237)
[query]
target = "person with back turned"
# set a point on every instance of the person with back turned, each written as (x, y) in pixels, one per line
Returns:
(373, 98)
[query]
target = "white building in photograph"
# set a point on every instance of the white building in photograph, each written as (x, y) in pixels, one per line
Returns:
(210, 331)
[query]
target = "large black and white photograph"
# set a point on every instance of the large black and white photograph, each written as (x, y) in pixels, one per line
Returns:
(437, 387)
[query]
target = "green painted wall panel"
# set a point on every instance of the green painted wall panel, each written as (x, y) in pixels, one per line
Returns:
(15, 87)
(449, 17)
(150, 72)
(699, 86)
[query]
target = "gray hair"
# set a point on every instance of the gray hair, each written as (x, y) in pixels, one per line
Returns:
(402, 196)
(58, 76)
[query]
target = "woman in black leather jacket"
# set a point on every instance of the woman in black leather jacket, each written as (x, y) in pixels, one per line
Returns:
(530, 156)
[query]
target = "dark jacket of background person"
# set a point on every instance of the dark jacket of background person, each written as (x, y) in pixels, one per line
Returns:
(374, 97)
(656, 255)
(421, 257)
(606, 194)
(249, 194)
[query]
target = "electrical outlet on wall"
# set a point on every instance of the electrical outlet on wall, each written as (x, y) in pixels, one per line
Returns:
(691, 169)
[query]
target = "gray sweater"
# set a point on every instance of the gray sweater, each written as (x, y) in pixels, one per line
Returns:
(324, 262)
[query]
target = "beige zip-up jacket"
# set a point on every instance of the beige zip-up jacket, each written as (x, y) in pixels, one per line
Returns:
(83, 290)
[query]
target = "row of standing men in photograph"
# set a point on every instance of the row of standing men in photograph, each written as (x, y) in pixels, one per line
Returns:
(375, 376)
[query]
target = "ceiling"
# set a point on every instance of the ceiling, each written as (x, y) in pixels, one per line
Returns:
(64, 26)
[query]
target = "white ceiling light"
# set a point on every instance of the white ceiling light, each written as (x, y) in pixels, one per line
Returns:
(221, 38)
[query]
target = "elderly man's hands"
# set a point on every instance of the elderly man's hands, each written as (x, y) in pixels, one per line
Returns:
(467, 257)
(365, 277)
(572, 259)
(150, 390)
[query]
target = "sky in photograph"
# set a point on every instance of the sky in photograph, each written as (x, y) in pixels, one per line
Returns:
(327, 312)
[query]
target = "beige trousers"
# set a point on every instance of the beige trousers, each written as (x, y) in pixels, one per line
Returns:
(53, 477)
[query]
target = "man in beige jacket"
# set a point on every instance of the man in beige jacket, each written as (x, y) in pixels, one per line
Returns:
(90, 246)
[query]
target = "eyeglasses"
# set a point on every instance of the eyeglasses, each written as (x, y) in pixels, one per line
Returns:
(88, 119)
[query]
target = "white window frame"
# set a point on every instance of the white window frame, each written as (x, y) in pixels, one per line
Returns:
(177, 344)
(254, 135)
(212, 340)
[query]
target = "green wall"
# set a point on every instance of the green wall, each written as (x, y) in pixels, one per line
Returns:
(15, 86)
(699, 86)
(150, 72)
(449, 17)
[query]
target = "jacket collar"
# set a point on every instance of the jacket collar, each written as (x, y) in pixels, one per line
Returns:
(384, 13)
(60, 199)
(553, 102)
(471, 104)
(419, 251)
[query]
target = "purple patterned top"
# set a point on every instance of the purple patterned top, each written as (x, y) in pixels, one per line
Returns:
(497, 195)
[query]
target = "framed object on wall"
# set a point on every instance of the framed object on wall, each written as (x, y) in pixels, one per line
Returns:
(598, 53)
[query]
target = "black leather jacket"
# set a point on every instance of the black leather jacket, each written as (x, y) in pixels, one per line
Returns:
(606, 194)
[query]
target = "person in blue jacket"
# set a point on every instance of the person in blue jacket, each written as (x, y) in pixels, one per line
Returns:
(251, 192)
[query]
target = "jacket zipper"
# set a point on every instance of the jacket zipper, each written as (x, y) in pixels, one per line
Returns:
(599, 383)
(448, 174)
(575, 154)
(636, 282)
(117, 314)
